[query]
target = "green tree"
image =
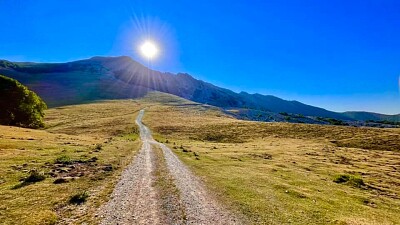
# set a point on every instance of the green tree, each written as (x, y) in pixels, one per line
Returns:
(19, 106)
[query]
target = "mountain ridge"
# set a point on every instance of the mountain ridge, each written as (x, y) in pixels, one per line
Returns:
(101, 77)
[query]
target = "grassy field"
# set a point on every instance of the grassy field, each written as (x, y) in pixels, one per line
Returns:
(281, 173)
(80, 153)
(272, 173)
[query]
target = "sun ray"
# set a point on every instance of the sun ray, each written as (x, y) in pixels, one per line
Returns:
(149, 49)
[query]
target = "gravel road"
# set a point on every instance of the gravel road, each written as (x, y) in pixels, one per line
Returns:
(134, 200)
(200, 206)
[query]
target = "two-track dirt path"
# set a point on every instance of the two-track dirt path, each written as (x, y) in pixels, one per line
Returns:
(135, 199)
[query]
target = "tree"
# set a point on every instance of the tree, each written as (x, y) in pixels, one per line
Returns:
(19, 106)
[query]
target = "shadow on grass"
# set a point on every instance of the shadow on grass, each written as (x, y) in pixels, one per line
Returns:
(21, 185)
(34, 176)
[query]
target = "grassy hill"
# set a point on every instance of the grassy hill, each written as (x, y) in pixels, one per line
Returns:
(281, 173)
(372, 116)
(77, 82)
(101, 78)
(86, 146)
(274, 173)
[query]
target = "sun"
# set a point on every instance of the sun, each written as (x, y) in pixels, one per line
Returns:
(149, 49)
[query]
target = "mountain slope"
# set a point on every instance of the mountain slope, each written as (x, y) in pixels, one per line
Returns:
(372, 116)
(121, 77)
(70, 83)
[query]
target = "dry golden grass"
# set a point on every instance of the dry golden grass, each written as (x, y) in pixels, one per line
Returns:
(280, 173)
(273, 173)
(103, 131)
(98, 120)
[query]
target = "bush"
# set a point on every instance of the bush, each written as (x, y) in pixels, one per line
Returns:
(34, 176)
(79, 198)
(66, 160)
(332, 121)
(343, 178)
(60, 181)
(354, 181)
(20, 106)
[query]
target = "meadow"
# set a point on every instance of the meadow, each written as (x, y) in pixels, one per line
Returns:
(267, 173)
(283, 173)
(46, 175)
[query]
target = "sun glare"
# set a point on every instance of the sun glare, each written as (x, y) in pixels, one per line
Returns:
(149, 49)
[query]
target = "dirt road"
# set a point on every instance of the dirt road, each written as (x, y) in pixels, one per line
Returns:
(136, 198)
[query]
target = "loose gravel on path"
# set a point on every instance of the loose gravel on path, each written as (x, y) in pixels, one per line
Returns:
(200, 206)
(134, 200)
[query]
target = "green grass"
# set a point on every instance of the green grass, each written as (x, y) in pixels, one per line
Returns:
(63, 159)
(73, 154)
(79, 198)
(272, 173)
(34, 176)
(278, 173)
(171, 205)
(354, 181)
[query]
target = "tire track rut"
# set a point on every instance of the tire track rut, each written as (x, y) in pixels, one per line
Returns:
(134, 200)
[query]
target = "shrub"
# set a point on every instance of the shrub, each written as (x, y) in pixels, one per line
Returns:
(79, 198)
(354, 181)
(60, 181)
(66, 160)
(34, 176)
(332, 121)
(20, 106)
(342, 178)
(300, 116)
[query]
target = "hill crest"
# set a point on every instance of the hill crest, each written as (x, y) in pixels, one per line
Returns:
(121, 77)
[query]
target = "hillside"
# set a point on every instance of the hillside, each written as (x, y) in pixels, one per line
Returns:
(372, 116)
(281, 173)
(83, 148)
(121, 77)
(269, 173)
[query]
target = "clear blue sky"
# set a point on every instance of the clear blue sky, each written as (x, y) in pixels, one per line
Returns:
(340, 55)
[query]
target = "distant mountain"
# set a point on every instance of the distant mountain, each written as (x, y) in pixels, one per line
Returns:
(121, 77)
(372, 116)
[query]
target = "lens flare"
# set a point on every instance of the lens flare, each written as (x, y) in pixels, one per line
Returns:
(149, 49)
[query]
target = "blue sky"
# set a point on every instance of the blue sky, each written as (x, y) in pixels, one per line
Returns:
(340, 55)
